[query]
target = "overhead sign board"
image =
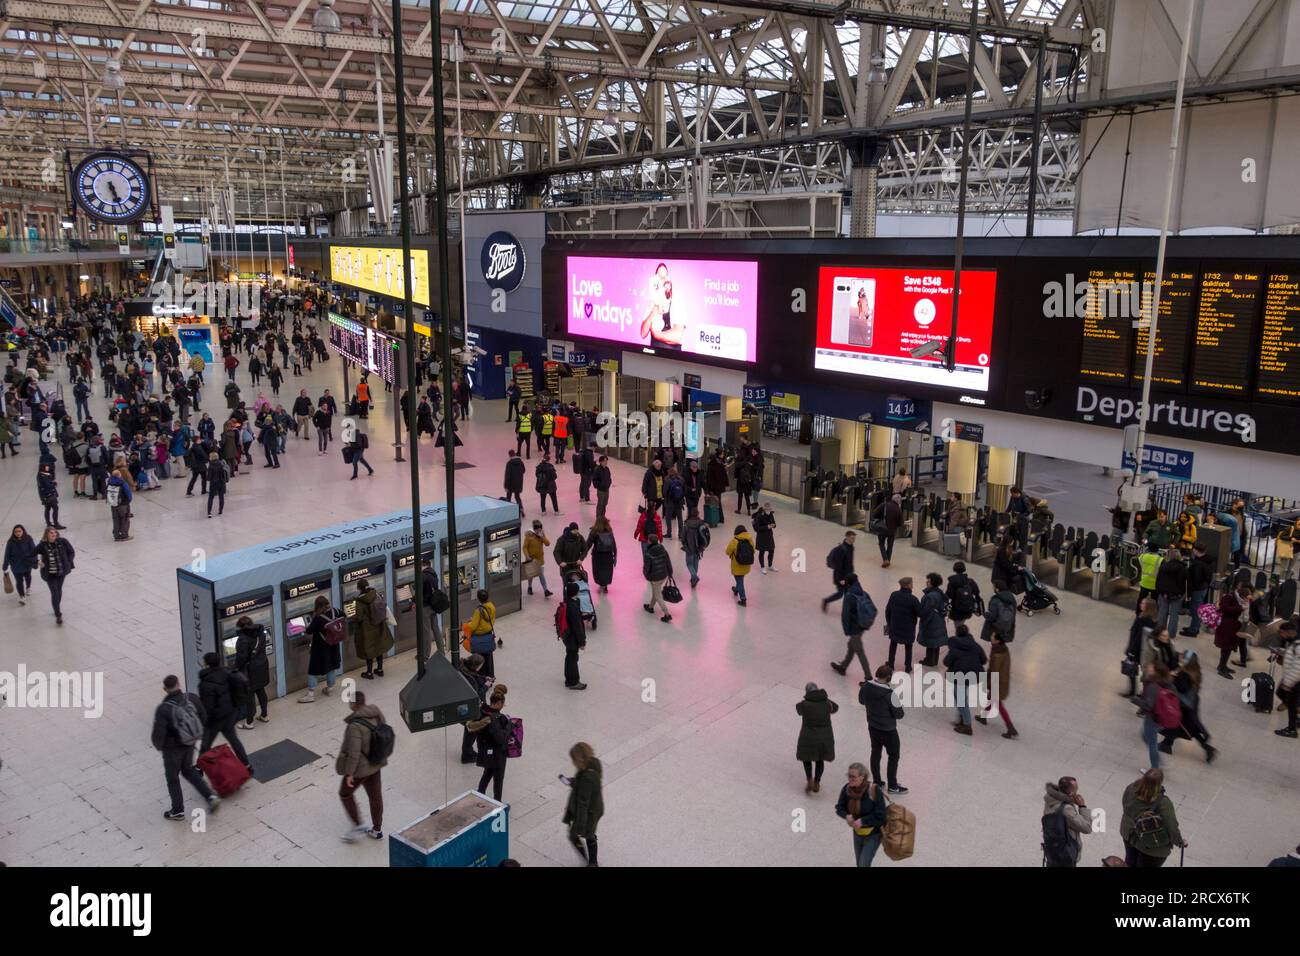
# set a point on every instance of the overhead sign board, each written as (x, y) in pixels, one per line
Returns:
(379, 270)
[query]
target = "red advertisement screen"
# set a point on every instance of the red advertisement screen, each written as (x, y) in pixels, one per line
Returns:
(870, 320)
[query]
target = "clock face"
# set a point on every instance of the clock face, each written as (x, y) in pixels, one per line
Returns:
(111, 187)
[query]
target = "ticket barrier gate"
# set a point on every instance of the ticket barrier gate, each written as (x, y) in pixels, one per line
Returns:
(257, 605)
(502, 547)
(815, 493)
(466, 576)
(404, 596)
(297, 602)
(1117, 579)
(350, 576)
(857, 497)
(833, 500)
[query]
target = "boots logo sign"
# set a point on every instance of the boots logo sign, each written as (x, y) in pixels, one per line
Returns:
(503, 261)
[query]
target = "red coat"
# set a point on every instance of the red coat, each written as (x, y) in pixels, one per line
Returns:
(1230, 610)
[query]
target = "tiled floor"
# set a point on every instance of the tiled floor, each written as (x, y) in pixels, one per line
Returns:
(694, 720)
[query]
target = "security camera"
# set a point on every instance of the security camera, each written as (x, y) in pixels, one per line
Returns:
(1036, 398)
(928, 349)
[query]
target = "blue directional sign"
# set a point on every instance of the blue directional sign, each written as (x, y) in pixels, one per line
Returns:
(1172, 463)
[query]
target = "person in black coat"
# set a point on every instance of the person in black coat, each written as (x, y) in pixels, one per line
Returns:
(514, 479)
(964, 661)
(20, 558)
(491, 731)
(601, 480)
(890, 514)
(323, 658)
(47, 489)
(178, 754)
(220, 707)
(57, 558)
(1142, 626)
(575, 637)
(1200, 575)
(472, 670)
(654, 483)
(1006, 563)
(546, 482)
(963, 594)
(883, 714)
(902, 612)
(764, 539)
(841, 564)
(252, 662)
(585, 462)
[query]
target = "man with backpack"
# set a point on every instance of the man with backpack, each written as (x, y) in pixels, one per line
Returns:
(695, 539)
(118, 493)
(1000, 615)
(81, 393)
(857, 614)
(360, 442)
(1065, 820)
(367, 744)
(840, 561)
(741, 551)
(177, 727)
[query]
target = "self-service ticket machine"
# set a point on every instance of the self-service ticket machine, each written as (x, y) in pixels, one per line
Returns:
(256, 605)
(404, 596)
(501, 549)
(297, 601)
(467, 567)
(350, 576)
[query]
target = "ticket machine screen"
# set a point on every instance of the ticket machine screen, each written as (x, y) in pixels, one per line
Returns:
(257, 607)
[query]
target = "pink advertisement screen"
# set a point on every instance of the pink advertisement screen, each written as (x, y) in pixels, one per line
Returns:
(704, 307)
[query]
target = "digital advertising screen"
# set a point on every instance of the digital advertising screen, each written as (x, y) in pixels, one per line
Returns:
(870, 320)
(380, 271)
(696, 306)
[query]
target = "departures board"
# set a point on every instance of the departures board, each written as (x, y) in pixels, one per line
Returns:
(1233, 332)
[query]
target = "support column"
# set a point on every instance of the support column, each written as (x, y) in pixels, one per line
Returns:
(663, 396)
(1002, 475)
(880, 445)
(732, 411)
(963, 469)
(853, 440)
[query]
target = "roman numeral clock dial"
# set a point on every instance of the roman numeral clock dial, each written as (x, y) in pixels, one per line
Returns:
(111, 187)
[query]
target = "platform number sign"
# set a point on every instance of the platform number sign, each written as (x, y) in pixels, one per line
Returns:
(111, 187)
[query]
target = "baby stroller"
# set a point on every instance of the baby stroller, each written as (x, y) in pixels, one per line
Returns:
(1037, 597)
(579, 576)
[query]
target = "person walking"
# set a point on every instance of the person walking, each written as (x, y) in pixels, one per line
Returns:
(586, 465)
(177, 727)
(471, 669)
(1187, 685)
(491, 730)
(964, 663)
(251, 660)
(323, 420)
(47, 489)
(513, 394)
(220, 707)
(360, 442)
(764, 538)
(535, 545)
(674, 502)
(1157, 683)
(902, 614)
(1063, 799)
(963, 594)
(574, 637)
(1000, 614)
(20, 558)
(602, 479)
(740, 549)
(371, 629)
(513, 482)
(302, 414)
(570, 550)
(1288, 685)
(1200, 576)
(218, 474)
(57, 557)
(1149, 826)
(1171, 589)
(883, 714)
(360, 763)
(885, 524)
(1228, 634)
(857, 614)
(816, 745)
(268, 436)
(603, 548)
(1138, 633)
(482, 625)
(545, 480)
(934, 610)
(524, 433)
(586, 803)
(1000, 667)
(695, 540)
(862, 806)
(647, 524)
(656, 568)
(840, 561)
(324, 659)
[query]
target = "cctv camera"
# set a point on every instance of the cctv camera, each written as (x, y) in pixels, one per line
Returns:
(927, 349)
(1036, 398)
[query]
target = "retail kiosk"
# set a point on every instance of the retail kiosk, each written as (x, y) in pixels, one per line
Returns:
(276, 583)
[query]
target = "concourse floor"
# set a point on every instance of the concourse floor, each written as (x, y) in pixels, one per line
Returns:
(694, 720)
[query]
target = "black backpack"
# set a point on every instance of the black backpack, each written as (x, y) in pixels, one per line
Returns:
(963, 600)
(382, 741)
(744, 552)
(1059, 848)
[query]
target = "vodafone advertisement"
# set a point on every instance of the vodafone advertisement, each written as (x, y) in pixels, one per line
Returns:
(704, 307)
(870, 320)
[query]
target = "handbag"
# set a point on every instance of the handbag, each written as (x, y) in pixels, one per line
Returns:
(530, 569)
(1128, 667)
(483, 643)
(9, 584)
(671, 593)
(336, 631)
(347, 455)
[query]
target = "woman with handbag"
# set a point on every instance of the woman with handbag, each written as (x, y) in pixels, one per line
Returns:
(492, 732)
(20, 558)
(1227, 634)
(324, 658)
(534, 566)
(480, 632)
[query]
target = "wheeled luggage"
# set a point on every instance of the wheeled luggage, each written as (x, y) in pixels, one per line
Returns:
(222, 768)
(712, 511)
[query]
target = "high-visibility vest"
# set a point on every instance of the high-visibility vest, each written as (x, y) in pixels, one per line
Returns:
(1149, 564)
(525, 425)
(548, 424)
(561, 426)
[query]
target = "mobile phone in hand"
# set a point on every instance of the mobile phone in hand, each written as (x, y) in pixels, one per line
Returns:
(567, 781)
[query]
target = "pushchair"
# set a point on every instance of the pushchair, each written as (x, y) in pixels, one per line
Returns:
(1037, 597)
(579, 576)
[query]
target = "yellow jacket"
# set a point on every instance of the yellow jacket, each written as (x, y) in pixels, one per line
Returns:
(535, 547)
(483, 620)
(736, 567)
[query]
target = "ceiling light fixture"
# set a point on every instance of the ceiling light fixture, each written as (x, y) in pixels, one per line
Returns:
(325, 20)
(112, 78)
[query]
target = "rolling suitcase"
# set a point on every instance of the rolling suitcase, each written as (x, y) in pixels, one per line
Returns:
(222, 768)
(952, 543)
(1262, 690)
(712, 511)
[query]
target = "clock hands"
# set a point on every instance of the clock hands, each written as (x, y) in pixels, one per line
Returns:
(113, 190)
